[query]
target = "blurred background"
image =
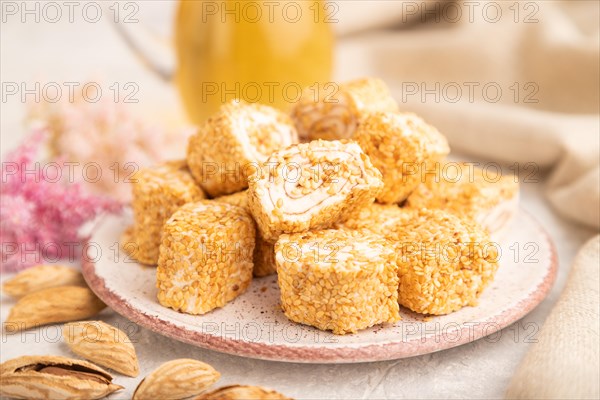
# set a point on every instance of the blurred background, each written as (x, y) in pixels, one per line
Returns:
(514, 82)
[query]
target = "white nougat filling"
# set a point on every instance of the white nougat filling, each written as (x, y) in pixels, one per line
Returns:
(301, 206)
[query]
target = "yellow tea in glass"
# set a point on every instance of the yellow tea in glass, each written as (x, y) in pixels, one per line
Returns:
(258, 51)
(262, 51)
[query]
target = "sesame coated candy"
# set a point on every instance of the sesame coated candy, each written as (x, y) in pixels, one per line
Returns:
(358, 221)
(333, 112)
(232, 144)
(205, 256)
(264, 257)
(239, 199)
(400, 145)
(382, 219)
(338, 280)
(264, 252)
(462, 189)
(444, 262)
(311, 186)
(157, 193)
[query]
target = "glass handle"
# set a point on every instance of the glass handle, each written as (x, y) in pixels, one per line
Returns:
(155, 52)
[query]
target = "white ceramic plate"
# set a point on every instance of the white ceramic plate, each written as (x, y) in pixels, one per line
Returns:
(253, 325)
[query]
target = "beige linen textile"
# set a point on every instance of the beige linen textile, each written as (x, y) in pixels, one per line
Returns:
(568, 342)
(550, 52)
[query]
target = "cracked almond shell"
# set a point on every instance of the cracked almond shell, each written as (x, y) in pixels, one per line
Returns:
(54, 377)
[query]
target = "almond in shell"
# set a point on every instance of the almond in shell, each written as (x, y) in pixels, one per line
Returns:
(103, 344)
(176, 379)
(241, 392)
(53, 377)
(52, 305)
(42, 277)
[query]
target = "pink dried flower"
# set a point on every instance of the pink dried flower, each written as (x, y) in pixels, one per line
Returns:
(41, 215)
(109, 135)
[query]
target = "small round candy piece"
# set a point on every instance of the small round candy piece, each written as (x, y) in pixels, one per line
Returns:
(232, 144)
(332, 112)
(312, 186)
(402, 146)
(338, 280)
(157, 193)
(444, 262)
(205, 256)
(469, 192)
